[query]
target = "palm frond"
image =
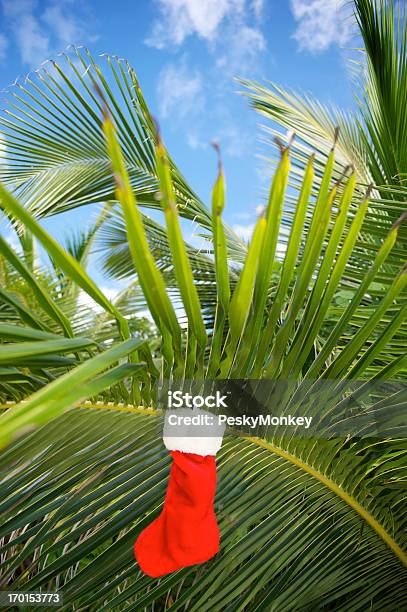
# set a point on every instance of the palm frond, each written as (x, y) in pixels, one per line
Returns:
(298, 527)
(318, 299)
(56, 156)
(370, 139)
(383, 104)
(316, 127)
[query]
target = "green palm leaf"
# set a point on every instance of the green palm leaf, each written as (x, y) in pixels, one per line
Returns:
(307, 522)
(372, 139)
(298, 531)
(56, 155)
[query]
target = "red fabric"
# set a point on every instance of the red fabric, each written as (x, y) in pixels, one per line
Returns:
(186, 532)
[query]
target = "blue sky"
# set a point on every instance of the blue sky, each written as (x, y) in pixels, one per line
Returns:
(186, 53)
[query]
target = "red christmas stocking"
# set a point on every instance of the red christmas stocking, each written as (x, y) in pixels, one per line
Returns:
(186, 532)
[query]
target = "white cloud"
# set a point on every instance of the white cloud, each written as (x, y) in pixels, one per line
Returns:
(64, 24)
(32, 41)
(244, 231)
(179, 90)
(40, 29)
(235, 140)
(195, 141)
(240, 49)
(3, 47)
(322, 23)
(182, 18)
(258, 6)
(230, 27)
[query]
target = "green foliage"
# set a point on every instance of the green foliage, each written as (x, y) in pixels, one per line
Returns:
(289, 540)
(371, 139)
(319, 293)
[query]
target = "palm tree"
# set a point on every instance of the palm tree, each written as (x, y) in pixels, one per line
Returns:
(306, 522)
(47, 299)
(373, 138)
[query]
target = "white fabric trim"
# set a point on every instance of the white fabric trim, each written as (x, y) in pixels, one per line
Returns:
(201, 434)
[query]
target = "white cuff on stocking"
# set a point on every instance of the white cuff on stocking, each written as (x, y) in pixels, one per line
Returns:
(193, 431)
